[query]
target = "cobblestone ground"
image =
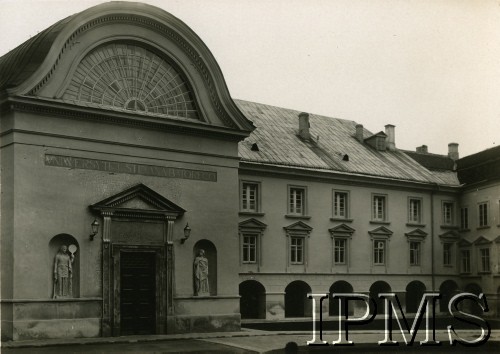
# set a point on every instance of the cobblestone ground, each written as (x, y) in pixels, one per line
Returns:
(171, 346)
(262, 342)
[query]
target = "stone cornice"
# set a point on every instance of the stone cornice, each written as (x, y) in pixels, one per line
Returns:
(346, 178)
(69, 111)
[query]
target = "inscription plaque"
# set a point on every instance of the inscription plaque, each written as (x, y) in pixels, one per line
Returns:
(129, 168)
(137, 232)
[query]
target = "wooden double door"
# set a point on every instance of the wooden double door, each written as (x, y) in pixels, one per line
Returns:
(137, 293)
(139, 289)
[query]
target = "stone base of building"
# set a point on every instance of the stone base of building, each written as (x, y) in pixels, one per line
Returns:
(81, 318)
(48, 329)
(48, 318)
(206, 323)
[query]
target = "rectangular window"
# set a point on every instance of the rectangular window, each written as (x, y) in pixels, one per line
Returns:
(483, 214)
(447, 213)
(414, 253)
(296, 200)
(340, 200)
(415, 211)
(379, 208)
(465, 261)
(340, 251)
(447, 249)
(484, 254)
(379, 252)
(249, 249)
(249, 197)
(464, 218)
(296, 250)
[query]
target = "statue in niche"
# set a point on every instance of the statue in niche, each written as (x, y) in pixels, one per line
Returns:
(63, 272)
(201, 274)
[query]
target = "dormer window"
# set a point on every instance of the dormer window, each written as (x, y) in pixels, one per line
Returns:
(377, 141)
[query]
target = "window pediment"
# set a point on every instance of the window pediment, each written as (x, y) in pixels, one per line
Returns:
(450, 236)
(342, 230)
(464, 243)
(298, 229)
(381, 232)
(252, 225)
(416, 234)
(481, 240)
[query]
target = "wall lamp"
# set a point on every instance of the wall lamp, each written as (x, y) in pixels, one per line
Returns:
(187, 233)
(95, 229)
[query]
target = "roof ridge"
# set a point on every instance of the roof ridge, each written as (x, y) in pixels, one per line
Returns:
(292, 109)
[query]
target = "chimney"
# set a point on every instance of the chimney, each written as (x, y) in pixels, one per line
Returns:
(359, 132)
(304, 126)
(453, 151)
(422, 149)
(391, 139)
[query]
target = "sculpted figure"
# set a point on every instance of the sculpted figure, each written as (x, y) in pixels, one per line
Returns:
(201, 274)
(63, 273)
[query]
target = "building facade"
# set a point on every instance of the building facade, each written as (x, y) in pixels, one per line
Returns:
(119, 166)
(137, 197)
(326, 206)
(479, 226)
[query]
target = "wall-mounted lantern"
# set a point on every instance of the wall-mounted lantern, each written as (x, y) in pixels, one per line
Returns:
(95, 229)
(187, 233)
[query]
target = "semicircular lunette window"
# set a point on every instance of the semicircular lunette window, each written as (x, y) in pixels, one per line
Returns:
(129, 77)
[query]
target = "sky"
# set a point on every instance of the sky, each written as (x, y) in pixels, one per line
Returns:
(429, 67)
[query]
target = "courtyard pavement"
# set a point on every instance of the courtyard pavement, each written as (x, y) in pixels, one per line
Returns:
(245, 341)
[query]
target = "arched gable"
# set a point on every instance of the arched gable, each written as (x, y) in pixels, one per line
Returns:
(127, 57)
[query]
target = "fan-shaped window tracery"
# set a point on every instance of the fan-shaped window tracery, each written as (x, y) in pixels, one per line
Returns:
(130, 77)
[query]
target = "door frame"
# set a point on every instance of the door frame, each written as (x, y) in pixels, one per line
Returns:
(160, 284)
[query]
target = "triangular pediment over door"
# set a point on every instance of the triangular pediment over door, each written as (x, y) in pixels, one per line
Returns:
(138, 201)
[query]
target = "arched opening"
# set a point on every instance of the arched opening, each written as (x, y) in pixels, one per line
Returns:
(377, 288)
(415, 290)
(64, 274)
(340, 286)
(210, 253)
(252, 299)
(470, 305)
(296, 302)
(447, 290)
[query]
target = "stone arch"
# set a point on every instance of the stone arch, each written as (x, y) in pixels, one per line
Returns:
(469, 305)
(340, 286)
(377, 288)
(43, 66)
(415, 290)
(211, 255)
(252, 299)
(54, 245)
(447, 290)
(296, 302)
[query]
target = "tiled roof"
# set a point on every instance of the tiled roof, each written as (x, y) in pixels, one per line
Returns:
(332, 139)
(432, 161)
(21, 62)
(480, 167)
